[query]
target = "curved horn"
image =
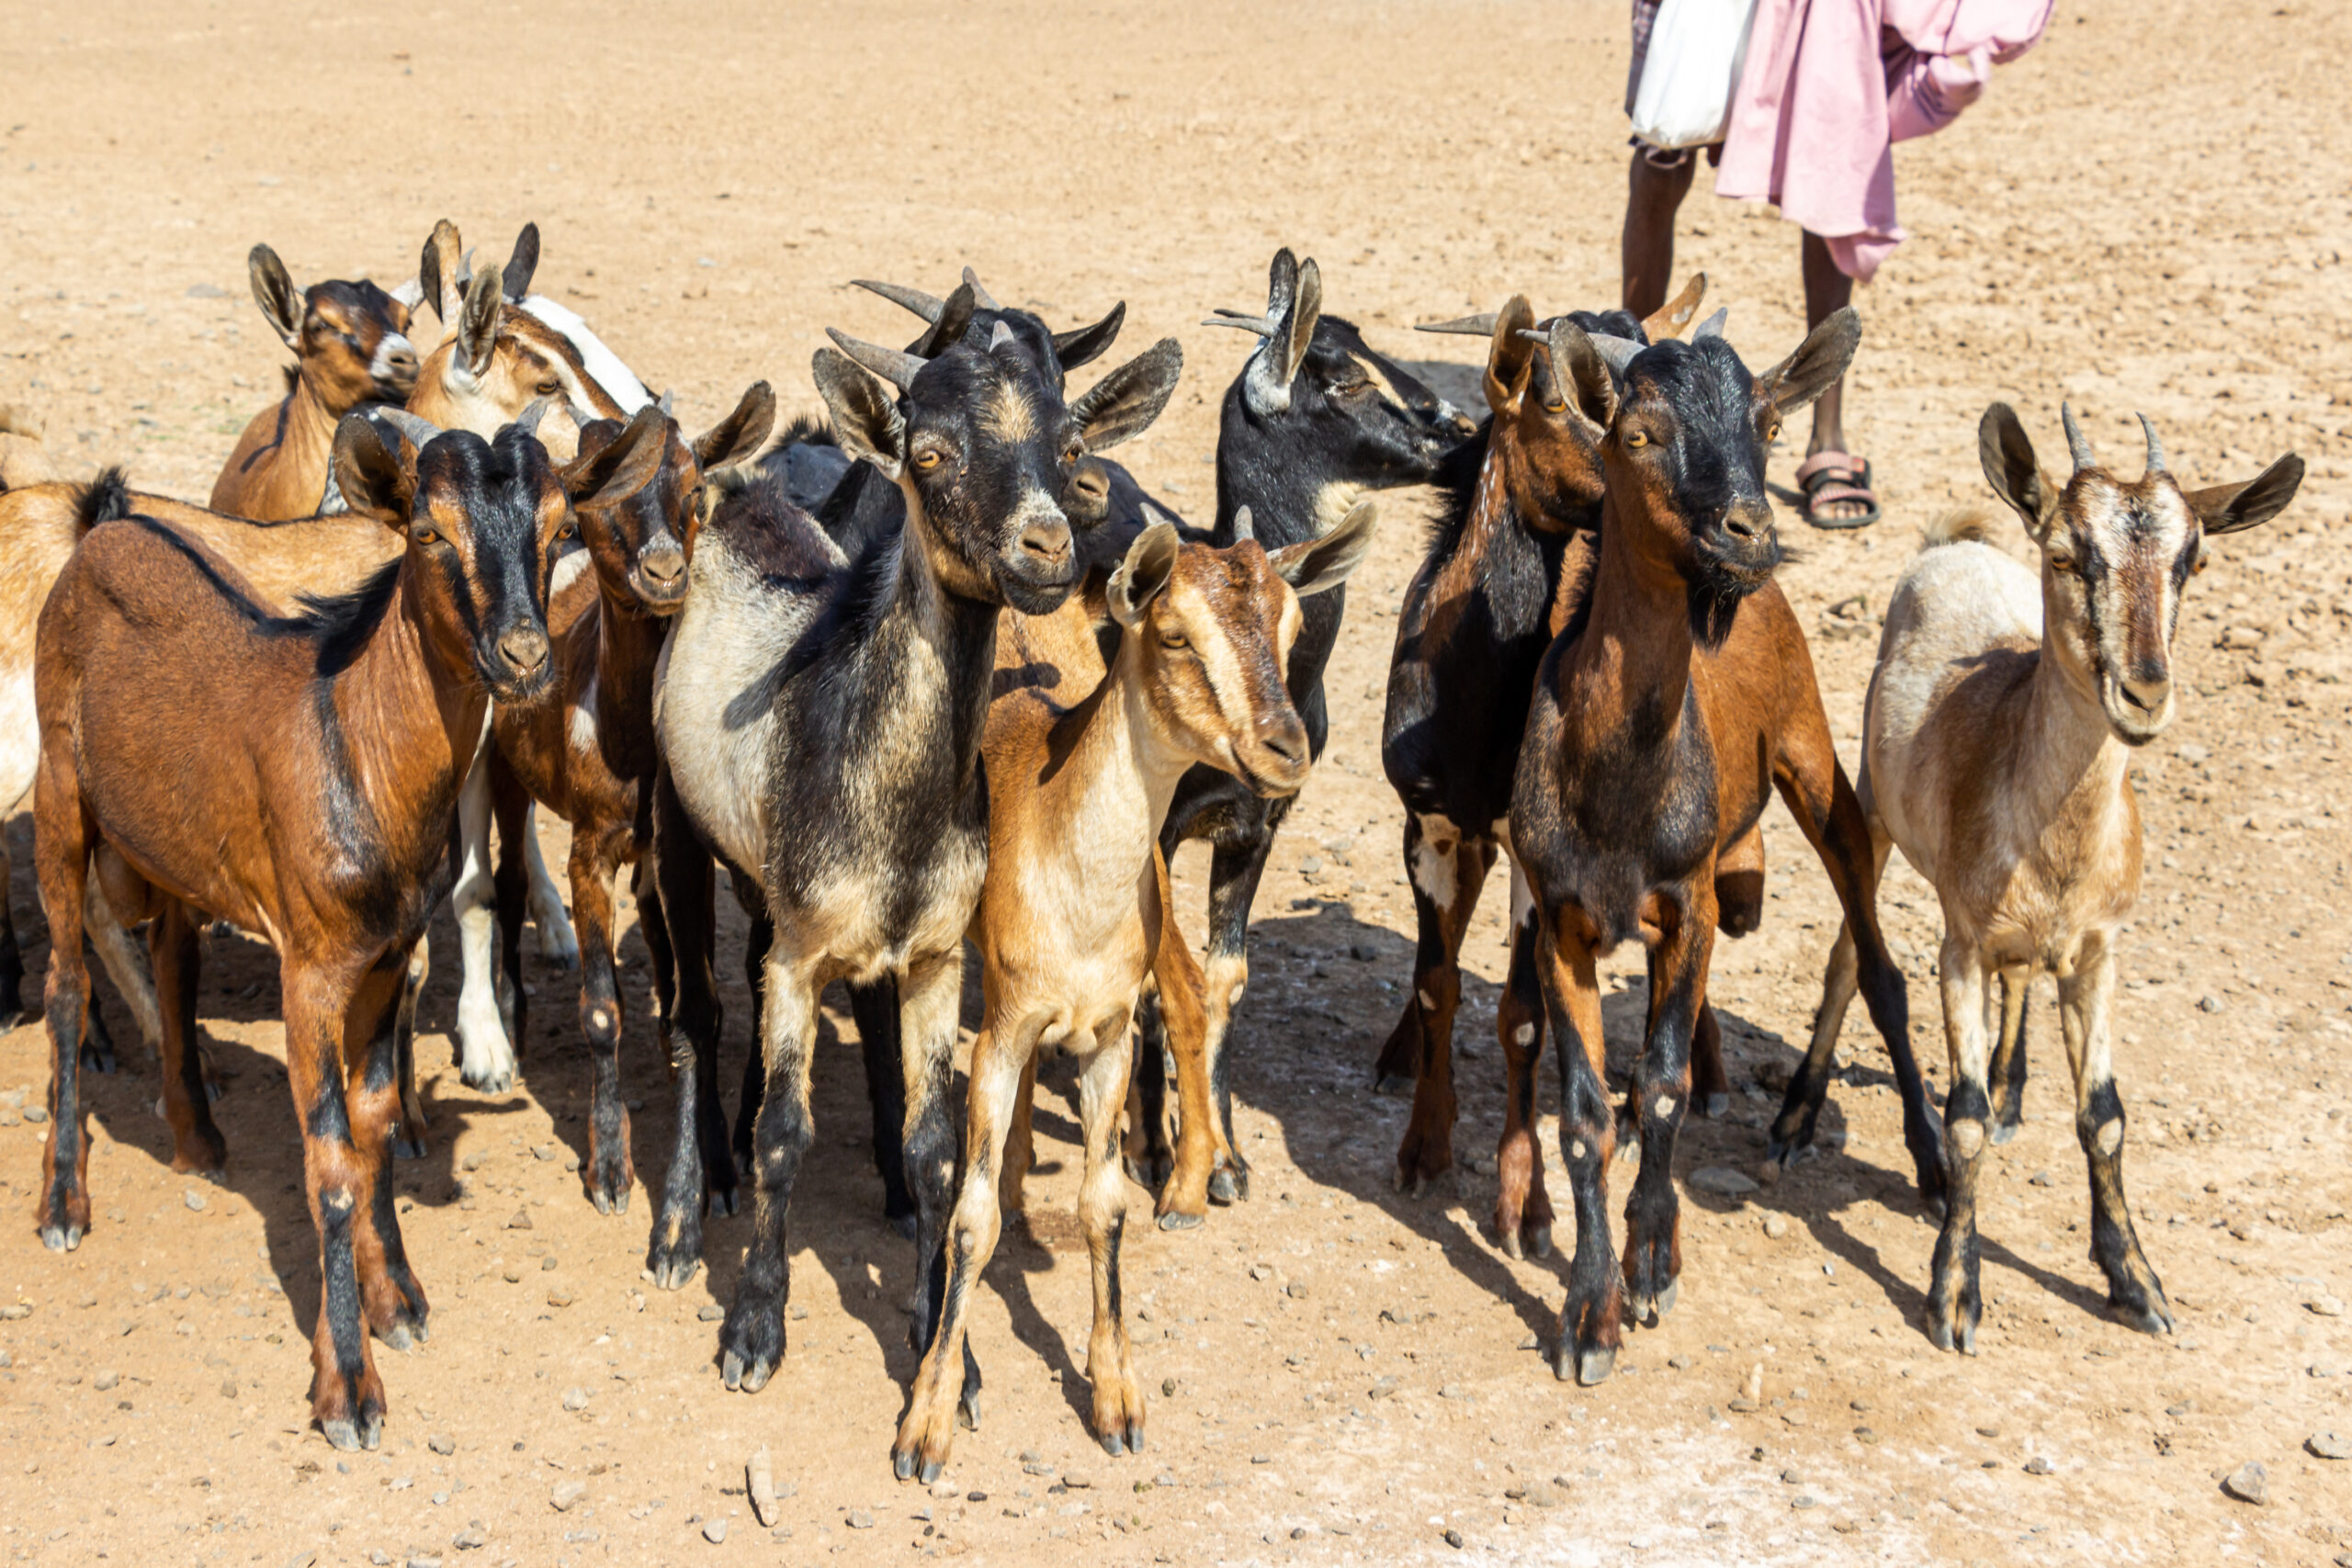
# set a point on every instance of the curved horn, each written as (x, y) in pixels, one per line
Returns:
(1467, 326)
(897, 368)
(981, 295)
(1247, 323)
(664, 402)
(1245, 527)
(2077, 445)
(416, 427)
(528, 422)
(927, 306)
(948, 327)
(2155, 447)
(1712, 326)
(1618, 350)
(1001, 338)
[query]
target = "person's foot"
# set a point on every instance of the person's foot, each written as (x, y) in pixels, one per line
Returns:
(1836, 487)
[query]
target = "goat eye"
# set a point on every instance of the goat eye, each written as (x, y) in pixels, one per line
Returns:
(427, 536)
(1174, 640)
(1556, 408)
(926, 461)
(1077, 450)
(570, 530)
(1772, 434)
(549, 389)
(2062, 565)
(1636, 440)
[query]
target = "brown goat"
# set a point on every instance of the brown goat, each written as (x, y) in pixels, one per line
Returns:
(587, 753)
(351, 346)
(332, 746)
(1662, 719)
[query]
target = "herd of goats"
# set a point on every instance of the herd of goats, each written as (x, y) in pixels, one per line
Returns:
(932, 670)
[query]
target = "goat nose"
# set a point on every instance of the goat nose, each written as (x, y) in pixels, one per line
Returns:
(524, 649)
(663, 566)
(1287, 741)
(1745, 522)
(1047, 543)
(2148, 697)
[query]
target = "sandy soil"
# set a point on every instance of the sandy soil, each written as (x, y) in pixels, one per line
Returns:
(1349, 1375)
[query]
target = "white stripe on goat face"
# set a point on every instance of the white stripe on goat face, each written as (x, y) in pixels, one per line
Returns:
(2118, 559)
(380, 366)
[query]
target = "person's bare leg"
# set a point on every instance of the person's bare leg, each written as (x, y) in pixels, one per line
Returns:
(1653, 195)
(1827, 291)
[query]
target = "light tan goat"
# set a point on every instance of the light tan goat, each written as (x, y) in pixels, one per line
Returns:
(1069, 923)
(1997, 758)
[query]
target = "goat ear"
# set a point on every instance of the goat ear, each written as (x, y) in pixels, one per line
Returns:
(478, 321)
(866, 420)
(2012, 470)
(1325, 562)
(948, 327)
(436, 274)
(1296, 305)
(517, 273)
(1083, 345)
(618, 468)
(375, 469)
(275, 292)
(1582, 373)
(1149, 563)
(2229, 509)
(1678, 312)
(738, 435)
(1817, 365)
(1510, 355)
(1126, 401)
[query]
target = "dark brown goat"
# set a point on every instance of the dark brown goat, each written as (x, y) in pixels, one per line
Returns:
(319, 760)
(1662, 719)
(587, 754)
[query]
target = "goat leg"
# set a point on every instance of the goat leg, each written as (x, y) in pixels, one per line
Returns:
(1101, 1215)
(1661, 1098)
(346, 1395)
(393, 1300)
(683, 875)
(2008, 1055)
(1448, 872)
(2134, 1292)
(1234, 871)
(931, 999)
(176, 955)
(1522, 1208)
(1184, 1200)
(1589, 1331)
(1955, 1301)
(62, 839)
(751, 1340)
(608, 1169)
(876, 1010)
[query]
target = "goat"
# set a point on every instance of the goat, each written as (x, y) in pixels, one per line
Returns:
(1068, 926)
(1315, 420)
(821, 721)
(1997, 756)
(587, 752)
(351, 346)
(1679, 694)
(332, 744)
(1522, 507)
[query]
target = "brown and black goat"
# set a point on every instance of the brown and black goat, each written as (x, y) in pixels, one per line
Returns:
(351, 346)
(1662, 719)
(1070, 920)
(587, 751)
(319, 759)
(1521, 510)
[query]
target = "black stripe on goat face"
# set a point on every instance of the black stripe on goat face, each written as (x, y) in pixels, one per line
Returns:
(1689, 435)
(1385, 426)
(990, 451)
(486, 518)
(2116, 560)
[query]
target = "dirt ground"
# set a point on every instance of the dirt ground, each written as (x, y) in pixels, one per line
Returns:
(1349, 1375)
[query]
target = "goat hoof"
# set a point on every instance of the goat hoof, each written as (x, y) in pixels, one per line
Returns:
(1713, 1107)
(1594, 1365)
(491, 1081)
(408, 1148)
(95, 1060)
(60, 1238)
(1510, 1245)
(904, 1224)
(724, 1200)
(2004, 1129)
(342, 1435)
(214, 1090)
(929, 1470)
(968, 1410)
(1393, 1085)
(10, 1016)
(1224, 1190)
(745, 1379)
(397, 1336)
(1114, 1444)
(1539, 1241)
(1177, 1220)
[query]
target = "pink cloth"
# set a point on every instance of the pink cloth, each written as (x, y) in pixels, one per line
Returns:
(1830, 85)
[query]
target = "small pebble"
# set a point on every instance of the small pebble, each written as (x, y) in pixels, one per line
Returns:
(1168, 1388)
(442, 1443)
(2325, 1306)
(566, 1493)
(2249, 1482)
(710, 1312)
(468, 1541)
(1454, 1540)
(520, 1222)
(36, 1114)
(547, 1264)
(1721, 1181)
(2328, 1444)
(107, 1380)
(2039, 1178)
(714, 1530)
(1775, 1225)
(859, 1520)
(575, 1399)
(194, 1200)
(2038, 1465)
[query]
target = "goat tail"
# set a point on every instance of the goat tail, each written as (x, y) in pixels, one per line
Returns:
(106, 498)
(1961, 525)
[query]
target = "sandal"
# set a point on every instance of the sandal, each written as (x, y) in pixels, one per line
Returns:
(1829, 477)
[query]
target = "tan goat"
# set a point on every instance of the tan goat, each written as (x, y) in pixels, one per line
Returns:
(1068, 922)
(1997, 758)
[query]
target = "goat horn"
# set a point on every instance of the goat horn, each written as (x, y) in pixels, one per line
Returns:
(1152, 514)
(2077, 445)
(1001, 338)
(416, 427)
(529, 421)
(1467, 326)
(2155, 447)
(927, 306)
(1712, 326)
(665, 399)
(897, 368)
(1244, 525)
(1617, 351)
(1247, 323)
(981, 295)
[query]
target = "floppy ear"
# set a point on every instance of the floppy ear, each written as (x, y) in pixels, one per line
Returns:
(1324, 563)
(1678, 312)
(274, 291)
(478, 321)
(621, 467)
(1815, 367)
(2229, 509)
(1126, 401)
(522, 264)
(1150, 561)
(375, 467)
(2012, 472)
(738, 435)
(1509, 355)
(1085, 344)
(437, 273)
(866, 421)
(1581, 373)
